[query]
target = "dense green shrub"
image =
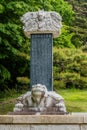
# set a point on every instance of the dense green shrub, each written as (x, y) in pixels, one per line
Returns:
(70, 68)
(4, 77)
(84, 48)
(65, 39)
(79, 26)
(59, 84)
(23, 83)
(14, 46)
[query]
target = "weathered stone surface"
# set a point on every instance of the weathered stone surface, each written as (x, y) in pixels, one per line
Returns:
(15, 127)
(84, 127)
(6, 119)
(5, 127)
(43, 119)
(62, 119)
(42, 22)
(41, 62)
(63, 127)
(21, 127)
(48, 119)
(79, 113)
(46, 122)
(85, 118)
(41, 127)
(26, 119)
(40, 100)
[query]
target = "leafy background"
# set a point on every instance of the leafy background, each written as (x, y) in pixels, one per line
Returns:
(70, 49)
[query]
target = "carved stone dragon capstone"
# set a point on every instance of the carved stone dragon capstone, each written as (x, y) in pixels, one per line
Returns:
(42, 22)
(39, 99)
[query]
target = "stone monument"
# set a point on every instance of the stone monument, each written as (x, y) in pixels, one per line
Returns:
(41, 27)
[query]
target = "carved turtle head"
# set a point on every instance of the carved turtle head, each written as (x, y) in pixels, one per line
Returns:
(39, 90)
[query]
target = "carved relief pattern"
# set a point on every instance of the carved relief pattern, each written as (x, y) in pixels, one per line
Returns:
(42, 22)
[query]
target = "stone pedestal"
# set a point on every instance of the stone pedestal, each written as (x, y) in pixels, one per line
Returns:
(43, 122)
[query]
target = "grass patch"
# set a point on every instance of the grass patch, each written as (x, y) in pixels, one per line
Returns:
(8, 100)
(7, 106)
(75, 100)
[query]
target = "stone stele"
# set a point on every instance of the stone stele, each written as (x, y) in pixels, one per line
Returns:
(42, 22)
(40, 100)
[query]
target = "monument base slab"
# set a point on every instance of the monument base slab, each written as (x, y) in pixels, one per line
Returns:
(37, 113)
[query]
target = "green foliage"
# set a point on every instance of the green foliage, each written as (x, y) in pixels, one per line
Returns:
(84, 48)
(69, 65)
(1, 8)
(64, 9)
(65, 38)
(23, 83)
(76, 41)
(79, 26)
(4, 77)
(14, 46)
(59, 84)
(4, 73)
(23, 80)
(17, 7)
(70, 68)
